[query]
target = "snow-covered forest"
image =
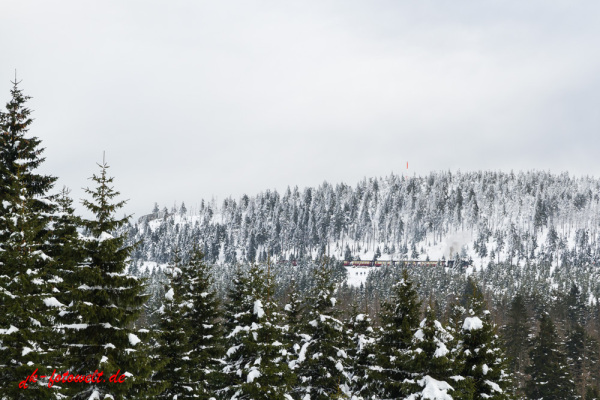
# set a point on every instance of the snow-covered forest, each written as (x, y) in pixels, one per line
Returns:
(249, 299)
(530, 232)
(487, 216)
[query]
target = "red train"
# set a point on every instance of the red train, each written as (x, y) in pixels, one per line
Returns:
(406, 263)
(381, 263)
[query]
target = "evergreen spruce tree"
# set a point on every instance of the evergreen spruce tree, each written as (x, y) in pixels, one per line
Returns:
(575, 347)
(173, 345)
(592, 371)
(583, 355)
(361, 353)
(256, 360)
(191, 337)
(238, 314)
(482, 352)
(294, 336)
(516, 335)
(456, 316)
(549, 373)
(273, 377)
(238, 301)
(107, 303)
(323, 361)
(66, 247)
(67, 254)
(293, 312)
(202, 323)
(28, 306)
(581, 348)
(400, 318)
(433, 366)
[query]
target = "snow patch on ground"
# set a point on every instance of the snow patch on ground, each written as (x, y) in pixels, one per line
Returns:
(357, 275)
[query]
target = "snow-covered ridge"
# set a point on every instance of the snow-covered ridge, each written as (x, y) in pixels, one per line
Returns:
(484, 216)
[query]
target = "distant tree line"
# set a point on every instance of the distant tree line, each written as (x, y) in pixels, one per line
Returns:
(499, 217)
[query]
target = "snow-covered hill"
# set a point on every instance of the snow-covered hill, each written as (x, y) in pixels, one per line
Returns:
(483, 216)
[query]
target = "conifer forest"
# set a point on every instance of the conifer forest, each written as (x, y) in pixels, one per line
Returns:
(261, 297)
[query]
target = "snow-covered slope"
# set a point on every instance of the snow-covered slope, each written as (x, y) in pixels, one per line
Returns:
(512, 217)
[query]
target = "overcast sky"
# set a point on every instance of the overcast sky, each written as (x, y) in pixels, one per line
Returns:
(202, 99)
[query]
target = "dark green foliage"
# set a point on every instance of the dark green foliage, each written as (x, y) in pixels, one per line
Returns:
(238, 313)
(575, 347)
(361, 352)
(68, 253)
(549, 373)
(67, 250)
(238, 303)
(276, 379)
(201, 313)
(575, 307)
(432, 361)
(173, 345)
(256, 361)
(516, 336)
(323, 366)
(472, 297)
(583, 355)
(592, 393)
(191, 338)
(106, 303)
(399, 322)
(28, 305)
(481, 351)
(294, 313)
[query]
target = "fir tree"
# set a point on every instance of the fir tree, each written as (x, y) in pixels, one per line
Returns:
(575, 347)
(293, 312)
(294, 336)
(583, 354)
(481, 350)
(400, 319)
(361, 352)
(173, 343)
(323, 361)
(68, 253)
(28, 306)
(516, 335)
(191, 336)
(66, 246)
(107, 303)
(432, 364)
(238, 319)
(549, 373)
(201, 321)
(575, 306)
(273, 379)
(256, 359)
